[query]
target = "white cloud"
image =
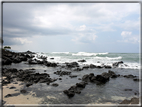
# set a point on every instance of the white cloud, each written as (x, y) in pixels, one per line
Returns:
(81, 28)
(22, 40)
(125, 34)
(101, 15)
(129, 38)
(85, 38)
(130, 25)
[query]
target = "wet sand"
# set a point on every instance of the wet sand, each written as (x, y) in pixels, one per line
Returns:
(19, 98)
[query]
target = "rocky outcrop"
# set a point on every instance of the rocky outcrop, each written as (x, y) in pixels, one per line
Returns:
(72, 64)
(116, 64)
(50, 64)
(129, 76)
(82, 60)
(28, 76)
(75, 89)
(62, 73)
(9, 57)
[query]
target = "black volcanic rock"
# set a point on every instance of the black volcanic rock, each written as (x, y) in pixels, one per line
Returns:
(116, 64)
(82, 60)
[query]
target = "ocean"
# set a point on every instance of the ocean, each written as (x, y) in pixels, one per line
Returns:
(112, 92)
(131, 60)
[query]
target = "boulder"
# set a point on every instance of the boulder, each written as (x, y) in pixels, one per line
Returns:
(29, 84)
(82, 60)
(101, 79)
(86, 67)
(23, 91)
(8, 95)
(78, 69)
(73, 76)
(129, 76)
(136, 79)
(92, 66)
(127, 89)
(116, 64)
(6, 60)
(69, 93)
(85, 78)
(81, 84)
(55, 84)
(72, 64)
(99, 67)
(107, 66)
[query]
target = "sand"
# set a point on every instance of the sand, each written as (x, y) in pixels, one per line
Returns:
(21, 98)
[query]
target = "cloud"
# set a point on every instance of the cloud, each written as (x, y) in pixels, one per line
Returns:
(85, 38)
(127, 37)
(58, 18)
(81, 28)
(130, 25)
(16, 41)
(77, 22)
(124, 34)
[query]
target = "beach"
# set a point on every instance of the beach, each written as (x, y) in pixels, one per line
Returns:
(70, 78)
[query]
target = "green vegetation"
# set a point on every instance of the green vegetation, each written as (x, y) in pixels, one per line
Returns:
(7, 47)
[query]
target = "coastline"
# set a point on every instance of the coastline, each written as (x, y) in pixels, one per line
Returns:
(30, 98)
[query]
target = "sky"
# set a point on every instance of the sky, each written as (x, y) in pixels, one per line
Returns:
(72, 27)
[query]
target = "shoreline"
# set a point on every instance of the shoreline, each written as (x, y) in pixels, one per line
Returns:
(29, 77)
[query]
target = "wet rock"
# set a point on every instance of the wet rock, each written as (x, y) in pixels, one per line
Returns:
(101, 79)
(55, 84)
(6, 60)
(29, 84)
(48, 83)
(129, 76)
(78, 69)
(23, 91)
(99, 67)
(30, 61)
(60, 78)
(62, 73)
(105, 74)
(107, 66)
(93, 79)
(72, 64)
(12, 87)
(116, 64)
(75, 89)
(136, 79)
(85, 78)
(4, 82)
(112, 74)
(82, 60)
(92, 66)
(91, 75)
(81, 84)
(127, 89)
(49, 64)
(69, 93)
(17, 60)
(73, 76)
(8, 95)
(86, 67)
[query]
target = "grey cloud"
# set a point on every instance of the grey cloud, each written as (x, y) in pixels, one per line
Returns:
(11, 41)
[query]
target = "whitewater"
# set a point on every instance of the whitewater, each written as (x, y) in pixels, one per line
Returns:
(131, 60)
